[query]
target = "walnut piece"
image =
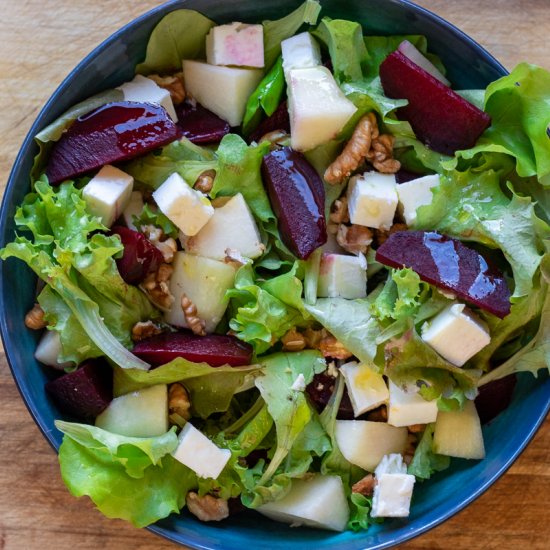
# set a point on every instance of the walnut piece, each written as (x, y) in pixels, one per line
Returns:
(381, 235)
(276, 138)
(339, 212)
(178, 401)
(155, 285)
(381, 155)
(34, 319)
(173, 83)
(205, 181)
(293, 341)
(331, 347)
(355, 238)
(194, 322)
(313, 337)
(364, 486)
(166, 246)
(207, 508)
(144, 329)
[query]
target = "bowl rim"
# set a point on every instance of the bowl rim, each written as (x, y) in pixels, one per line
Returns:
(40, 122)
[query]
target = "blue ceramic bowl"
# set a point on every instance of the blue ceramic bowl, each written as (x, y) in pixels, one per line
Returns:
(469, 66)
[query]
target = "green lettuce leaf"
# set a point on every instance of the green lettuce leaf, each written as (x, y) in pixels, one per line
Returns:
(150, 217)
(425, 462)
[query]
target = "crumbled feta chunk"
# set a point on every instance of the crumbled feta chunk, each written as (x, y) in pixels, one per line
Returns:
(408, 407)
(236, 44)
(299, 384)
(366, 388)
(415, 193)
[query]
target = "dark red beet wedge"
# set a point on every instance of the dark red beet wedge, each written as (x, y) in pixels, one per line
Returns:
(448, 264)
(279, 120)
(297, 195)
(319, 392)
(404, 175)
(214, 349)
(140, 256)
(200, 125)
(439, 117)
(494, 397)
(85, 392)
(113, 133)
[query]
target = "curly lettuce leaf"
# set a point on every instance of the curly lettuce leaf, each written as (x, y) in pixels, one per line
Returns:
(148, 216)
(425, 462)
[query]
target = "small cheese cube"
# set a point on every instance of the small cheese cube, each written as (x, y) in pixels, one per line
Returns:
(415, 193)
(342, 276)
(299, 384)
(393, 488)
(300, 52)
(317, 107)
(107, 194)
(236, 44)
(456, 334)
(199, 454)
(372, 200)
(48, 350)
(188, 209)
(133, 208)
(366, 388)
(145, 90)
(409, 408)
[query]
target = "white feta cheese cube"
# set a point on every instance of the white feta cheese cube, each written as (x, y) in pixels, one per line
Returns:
(300, 51)
(145, 90)
(133, 208)
(415, 193)
(107, 194)
(236, 44)
(408, 407)
(372, 200)
(342, 276)
(188, 209)
(48, 350)
(366, 388)
(456, 334)
(299, 384)
(317, 107)
(199, 454)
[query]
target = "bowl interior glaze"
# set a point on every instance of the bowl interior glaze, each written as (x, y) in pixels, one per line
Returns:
(469, 66)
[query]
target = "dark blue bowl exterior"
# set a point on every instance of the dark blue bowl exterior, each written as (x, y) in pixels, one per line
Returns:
(469, 67)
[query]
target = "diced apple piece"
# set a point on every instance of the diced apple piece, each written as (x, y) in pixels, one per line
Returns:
(342, 276)
(365, 443)
(317, 501)
(188, 209)
(204, 281)
(236, 44)
(367, 389)
(48, 350)
(300, 51)
(407, 408)
(222, 90)
(317, 107)
(232, 227)
(199, 454)
(133, 208)
(458, 433)
(108, 193)
(415, 193)
(410, 51)
(145, 90)
(142, 413)
(439, 117)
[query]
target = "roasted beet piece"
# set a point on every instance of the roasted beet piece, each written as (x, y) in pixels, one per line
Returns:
(297, 195)
(319, 392)
(279, 120)
(85, 392)
(200, 125)
(113, 133)
(140, 256)
(214, 349)
(404, 175)
(494, 397)
(448, 264)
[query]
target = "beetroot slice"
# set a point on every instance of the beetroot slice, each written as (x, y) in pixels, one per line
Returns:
(440, 118)
(494, 397)
(450, 265)
(214, 349)
(200, 125)
(279, 120)
(320, 391)
(115, 132)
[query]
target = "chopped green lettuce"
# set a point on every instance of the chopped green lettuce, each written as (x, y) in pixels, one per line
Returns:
(148, 216)
(425, 462)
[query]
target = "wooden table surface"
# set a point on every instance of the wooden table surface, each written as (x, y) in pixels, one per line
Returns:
(40, 42)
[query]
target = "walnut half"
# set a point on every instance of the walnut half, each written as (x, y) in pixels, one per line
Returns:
(207, 508)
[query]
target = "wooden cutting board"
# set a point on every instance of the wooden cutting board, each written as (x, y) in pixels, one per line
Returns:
(40, 42)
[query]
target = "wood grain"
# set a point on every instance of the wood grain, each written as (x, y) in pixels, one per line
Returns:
(40, 42)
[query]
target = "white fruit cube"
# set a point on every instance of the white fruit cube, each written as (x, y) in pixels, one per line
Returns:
(236, 44)
(393, 489)
(142, 413)
(222, 90)
(199, 454)
(415, 193)
(317, 501)
(342, 276)
(317, 107)
(188, 209)
(372, 200)
(407, 408)
(145, 90)
(107, 194)
(133, 208)
(300, 51)
(365, 443)
(48, 350)
(204, 281)
(456, 334)
(366, 388)
(232, 227)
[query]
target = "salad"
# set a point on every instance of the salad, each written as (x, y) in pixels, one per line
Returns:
(286, 264)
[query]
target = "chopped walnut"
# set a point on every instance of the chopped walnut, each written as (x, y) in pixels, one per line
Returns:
(381, 235)
(339, 211)
(354, 238)
(293, 341)
(313, 337)
(331, 347)
(207, 508)
(194, 322)
(379, 414)
(381, 154)
(155, 285)
(364, 486)
(178, 401)
(166, 246)
(416, 428)
(35, 318)
(205, 181)
(144, 329)
(173, 83)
